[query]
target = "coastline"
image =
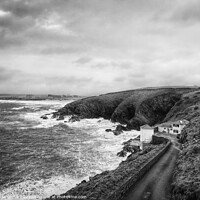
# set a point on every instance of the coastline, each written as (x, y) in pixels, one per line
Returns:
(109, 140)
(110, 184)
(186, 107)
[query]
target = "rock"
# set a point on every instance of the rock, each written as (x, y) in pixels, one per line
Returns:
(55, 115)
(122, 153)
(119, 129)
(44, 117)
(74, 118)
(61, 117)
(117, 132)
(108, 130)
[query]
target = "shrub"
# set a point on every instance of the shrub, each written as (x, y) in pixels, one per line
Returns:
(196, 108)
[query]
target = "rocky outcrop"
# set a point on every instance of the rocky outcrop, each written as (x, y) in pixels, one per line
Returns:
(44, 117)
(94, 107)
(130, 146)
(132, 108)
(154, 108)
(119, 129)
(74, 118)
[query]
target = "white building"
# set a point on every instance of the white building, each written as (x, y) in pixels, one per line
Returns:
(146, 133)
(173, 127)
(178, 126)
(165, 128)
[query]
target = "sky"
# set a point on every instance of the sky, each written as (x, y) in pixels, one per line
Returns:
(90, 47)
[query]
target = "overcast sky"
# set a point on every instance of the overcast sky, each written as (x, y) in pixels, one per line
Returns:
(89, 47)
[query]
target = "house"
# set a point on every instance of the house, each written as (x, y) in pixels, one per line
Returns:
(178, 126)
(172, 127)
(146, 133)
(165, 128)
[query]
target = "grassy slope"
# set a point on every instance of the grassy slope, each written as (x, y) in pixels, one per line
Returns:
(186, 183)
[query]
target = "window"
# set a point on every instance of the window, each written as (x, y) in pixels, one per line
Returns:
(176, 125)
(175, 131)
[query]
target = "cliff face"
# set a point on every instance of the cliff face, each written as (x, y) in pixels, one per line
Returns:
(153, 109)
(132, 108)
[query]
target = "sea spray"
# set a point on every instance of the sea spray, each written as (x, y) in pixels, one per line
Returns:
(49, 157)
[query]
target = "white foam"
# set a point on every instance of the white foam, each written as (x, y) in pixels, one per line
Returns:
(38, 112)
(19, 108)
(38, 102)
(38, 190)
(108, 146)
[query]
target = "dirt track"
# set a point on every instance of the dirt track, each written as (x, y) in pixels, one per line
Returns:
(155, 185)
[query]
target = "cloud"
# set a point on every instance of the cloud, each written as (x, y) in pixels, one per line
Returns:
(120, 64)
(83, 60)
(24, 8)
(57, 50)
(188, 12)
(65, 80)
(7, 74)
(122, 44)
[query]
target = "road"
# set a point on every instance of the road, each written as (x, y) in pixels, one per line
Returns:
(155, 184)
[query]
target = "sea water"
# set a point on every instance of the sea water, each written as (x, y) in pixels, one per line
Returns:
(39, 158)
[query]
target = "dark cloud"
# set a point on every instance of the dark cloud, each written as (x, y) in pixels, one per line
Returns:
(83, 60)
(15, 24)
(122, 44)
(23, 8)
(188, 13)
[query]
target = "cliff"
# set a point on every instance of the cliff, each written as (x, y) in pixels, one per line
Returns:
(135, 108)
(132, 108)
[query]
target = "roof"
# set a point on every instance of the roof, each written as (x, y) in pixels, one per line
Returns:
(146, 126)
(180, 122)
(167, 125)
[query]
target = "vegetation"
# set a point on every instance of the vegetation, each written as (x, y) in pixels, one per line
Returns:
(186, 182)
(102, 185)
(132, 108)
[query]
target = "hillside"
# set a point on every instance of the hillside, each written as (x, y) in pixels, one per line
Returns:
(153, 105)
(186, 182)
(132, 108)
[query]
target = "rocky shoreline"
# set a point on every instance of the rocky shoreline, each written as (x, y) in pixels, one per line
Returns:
(102, 185)
(133, 109)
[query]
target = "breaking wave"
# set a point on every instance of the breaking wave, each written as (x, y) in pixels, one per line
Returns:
(46, 157)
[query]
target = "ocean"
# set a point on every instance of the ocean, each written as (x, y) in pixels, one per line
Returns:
(39, 158)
